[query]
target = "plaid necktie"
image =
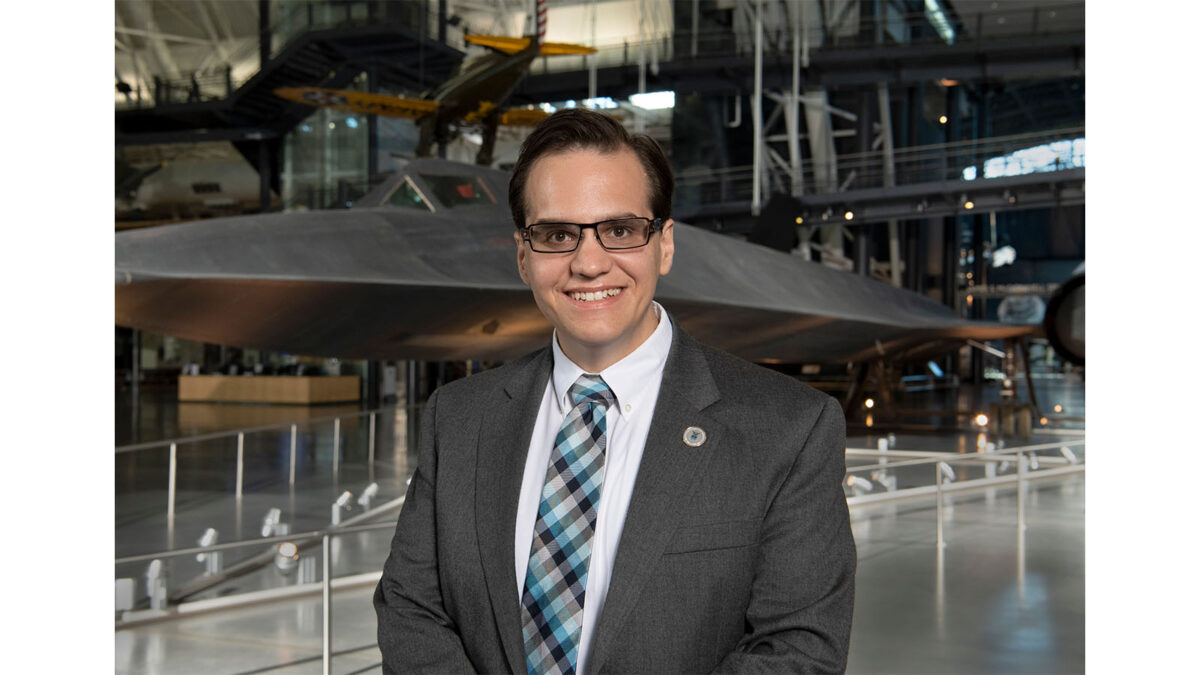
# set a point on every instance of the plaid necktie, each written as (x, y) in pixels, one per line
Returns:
(555, 581)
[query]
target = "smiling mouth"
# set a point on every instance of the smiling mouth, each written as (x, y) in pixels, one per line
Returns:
(592, 296)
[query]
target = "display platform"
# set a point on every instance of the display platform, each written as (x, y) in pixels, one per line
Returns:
(291, 389)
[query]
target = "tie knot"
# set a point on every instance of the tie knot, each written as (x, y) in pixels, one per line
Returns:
(591, 388)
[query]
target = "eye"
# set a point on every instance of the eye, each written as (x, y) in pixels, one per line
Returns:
(559, 236)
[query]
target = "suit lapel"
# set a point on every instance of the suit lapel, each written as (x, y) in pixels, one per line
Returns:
(504, 437)
(668, 472)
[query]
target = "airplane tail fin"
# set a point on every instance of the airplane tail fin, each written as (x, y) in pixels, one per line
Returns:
(512, 45)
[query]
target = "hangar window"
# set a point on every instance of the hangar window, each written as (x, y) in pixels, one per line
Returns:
(456, 191)
(206, 188)
(407, 195)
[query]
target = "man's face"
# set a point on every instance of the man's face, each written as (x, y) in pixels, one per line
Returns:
(586, 186)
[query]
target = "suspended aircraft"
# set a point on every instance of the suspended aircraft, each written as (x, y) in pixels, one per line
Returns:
(474, 95)
(424, 267)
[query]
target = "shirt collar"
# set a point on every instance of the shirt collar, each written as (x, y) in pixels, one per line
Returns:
(626, 377)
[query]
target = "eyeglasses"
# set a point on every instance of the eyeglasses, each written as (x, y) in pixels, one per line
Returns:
(620, 234)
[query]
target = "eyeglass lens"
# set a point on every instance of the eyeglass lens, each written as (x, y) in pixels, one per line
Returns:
(613, 234)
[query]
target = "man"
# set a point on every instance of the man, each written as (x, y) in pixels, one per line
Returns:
(626, 499)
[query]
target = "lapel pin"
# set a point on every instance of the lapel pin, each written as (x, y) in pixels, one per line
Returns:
(694, 437)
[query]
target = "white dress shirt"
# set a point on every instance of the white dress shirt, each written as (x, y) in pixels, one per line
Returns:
(634, 381)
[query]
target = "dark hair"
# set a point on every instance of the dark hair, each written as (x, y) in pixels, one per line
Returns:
(580, 128)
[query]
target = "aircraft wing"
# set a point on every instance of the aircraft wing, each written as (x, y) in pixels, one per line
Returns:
(512, 45)
(389, 282)
(359, 102)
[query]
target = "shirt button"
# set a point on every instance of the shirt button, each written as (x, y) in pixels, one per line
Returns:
(628, 407)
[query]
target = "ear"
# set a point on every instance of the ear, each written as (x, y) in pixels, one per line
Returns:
(667, 247)
(521, 252)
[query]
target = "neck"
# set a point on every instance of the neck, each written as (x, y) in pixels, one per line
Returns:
(595, 358)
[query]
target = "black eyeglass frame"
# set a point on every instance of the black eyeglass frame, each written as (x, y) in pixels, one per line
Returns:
(656, 225)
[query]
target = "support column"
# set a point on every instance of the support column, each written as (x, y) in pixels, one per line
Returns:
(264, 177)
(264, 33)
(372, 130)
(862, 250)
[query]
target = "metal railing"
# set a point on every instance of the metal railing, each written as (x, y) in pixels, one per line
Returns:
(940, 162)
(1028, 460)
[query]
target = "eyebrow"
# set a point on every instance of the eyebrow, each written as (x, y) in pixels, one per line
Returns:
(543, 221)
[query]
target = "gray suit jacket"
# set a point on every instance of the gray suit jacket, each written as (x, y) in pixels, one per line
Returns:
(736, 555)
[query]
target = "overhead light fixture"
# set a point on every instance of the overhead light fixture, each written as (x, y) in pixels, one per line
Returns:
(1057, 407)
(943, 119)
(849, 215)
(654, 100)
(869, 403)
(799, 220)
(981, 420)
(968, 205)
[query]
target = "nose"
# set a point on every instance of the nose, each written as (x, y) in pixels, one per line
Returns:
(591, 259)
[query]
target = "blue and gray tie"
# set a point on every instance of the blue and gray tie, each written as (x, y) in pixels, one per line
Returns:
(556, 578)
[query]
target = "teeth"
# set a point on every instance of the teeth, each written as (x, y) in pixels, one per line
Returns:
(595, 295)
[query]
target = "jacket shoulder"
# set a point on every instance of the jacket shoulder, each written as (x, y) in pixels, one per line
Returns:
(751, 384)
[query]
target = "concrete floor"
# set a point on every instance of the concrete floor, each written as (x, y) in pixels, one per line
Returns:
(994, 600)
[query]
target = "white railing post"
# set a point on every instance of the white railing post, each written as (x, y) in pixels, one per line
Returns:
(171, 499)
(240, 464)
(326, 611)
(337, 433)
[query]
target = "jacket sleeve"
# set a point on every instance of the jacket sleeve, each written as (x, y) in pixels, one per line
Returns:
(802, 597)
(415, 633)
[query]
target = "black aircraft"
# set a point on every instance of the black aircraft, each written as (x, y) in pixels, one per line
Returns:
(424, 267)
(473, 96)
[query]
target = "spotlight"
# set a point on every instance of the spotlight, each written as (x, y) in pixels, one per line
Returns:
(335, 509)
(211, 560)
(859, 485)
(981, 420)
(886, 480)
(968, 205)
(1058, 408)
(849, 215)
(947, 472)
(271, 522)
(1045, 421)
(368, 493)
(799, 220)
(208, 538)
(287, 556)
(943, 119)
(869, 403)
